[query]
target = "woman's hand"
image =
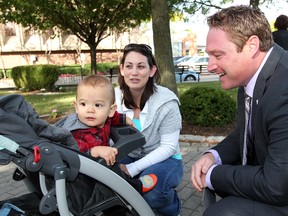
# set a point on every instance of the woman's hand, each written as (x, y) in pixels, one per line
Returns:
(106, 152)
(124, 169)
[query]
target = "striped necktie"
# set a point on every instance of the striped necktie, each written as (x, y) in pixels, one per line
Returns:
(246, 133)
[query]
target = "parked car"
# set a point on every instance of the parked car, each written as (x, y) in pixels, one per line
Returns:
(186, 75)
(182, 59)
(175, 58)
(197, 63)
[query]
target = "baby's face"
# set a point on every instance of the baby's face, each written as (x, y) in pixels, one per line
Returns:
(93, 105)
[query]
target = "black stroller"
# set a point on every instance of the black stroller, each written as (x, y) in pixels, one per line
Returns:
(66, 180)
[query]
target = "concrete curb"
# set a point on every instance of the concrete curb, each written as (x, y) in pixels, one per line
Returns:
(193, 139)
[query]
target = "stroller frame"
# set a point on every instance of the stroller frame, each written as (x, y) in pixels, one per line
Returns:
(64, 164)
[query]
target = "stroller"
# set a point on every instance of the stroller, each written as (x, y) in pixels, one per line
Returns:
(65, 180)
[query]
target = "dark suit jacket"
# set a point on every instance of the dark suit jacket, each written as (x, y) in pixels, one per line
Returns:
(265, 179)
(281, 38)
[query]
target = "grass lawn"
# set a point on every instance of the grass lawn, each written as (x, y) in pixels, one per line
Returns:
(44, 103)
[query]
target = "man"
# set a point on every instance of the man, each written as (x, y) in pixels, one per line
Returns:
(280, 36)
(252, 176)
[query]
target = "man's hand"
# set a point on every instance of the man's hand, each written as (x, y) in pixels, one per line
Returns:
(199, 170)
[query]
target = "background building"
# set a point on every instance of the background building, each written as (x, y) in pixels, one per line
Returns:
(21, 46)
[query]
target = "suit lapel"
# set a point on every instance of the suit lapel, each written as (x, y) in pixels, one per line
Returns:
(264, 75)
(241, 120)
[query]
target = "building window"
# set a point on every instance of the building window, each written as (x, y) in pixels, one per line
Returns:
(10, 29)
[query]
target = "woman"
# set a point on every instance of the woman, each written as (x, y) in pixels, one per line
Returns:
(155, 112)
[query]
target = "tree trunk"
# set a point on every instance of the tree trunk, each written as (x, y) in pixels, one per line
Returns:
(162, 43)
(92, 45)
(93, 60)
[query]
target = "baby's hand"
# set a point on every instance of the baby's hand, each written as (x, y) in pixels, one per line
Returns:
(106, 152)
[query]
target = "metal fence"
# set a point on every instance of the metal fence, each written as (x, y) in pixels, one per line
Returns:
(72, 80)
(66, 80)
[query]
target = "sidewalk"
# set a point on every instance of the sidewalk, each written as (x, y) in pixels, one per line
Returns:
(191, 148)
(7, 84)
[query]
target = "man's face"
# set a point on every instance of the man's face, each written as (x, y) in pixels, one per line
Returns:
(232, 67)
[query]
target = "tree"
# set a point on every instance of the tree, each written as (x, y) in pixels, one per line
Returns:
(190, 7)
(162, 43)
(91, 21)
(161, 10)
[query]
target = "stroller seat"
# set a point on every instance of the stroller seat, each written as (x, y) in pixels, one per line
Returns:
(70, 182)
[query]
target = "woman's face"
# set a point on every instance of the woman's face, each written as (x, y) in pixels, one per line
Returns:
(136, 71)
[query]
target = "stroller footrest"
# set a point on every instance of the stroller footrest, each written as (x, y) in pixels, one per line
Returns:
(48, 202)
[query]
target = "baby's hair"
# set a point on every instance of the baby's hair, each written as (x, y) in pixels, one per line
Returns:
(99, 81)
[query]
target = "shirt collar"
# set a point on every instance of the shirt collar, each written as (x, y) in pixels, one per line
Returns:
(145, 109)
(249, 88)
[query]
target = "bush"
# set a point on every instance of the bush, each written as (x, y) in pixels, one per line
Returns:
(86, 70)
(205, 106)
(7, 72)
(105, 67)
(35, 77)
(75, 70)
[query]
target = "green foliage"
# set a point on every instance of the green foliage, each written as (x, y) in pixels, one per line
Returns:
(91, 21)
(206, 106)
(191, 7)
(183, 87)
(7, 72)
(90, 17)
(35, 77)
(75, 70)
(105, 66)
(86, 70)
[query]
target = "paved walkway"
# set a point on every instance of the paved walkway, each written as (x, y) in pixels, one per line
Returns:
(191, 147)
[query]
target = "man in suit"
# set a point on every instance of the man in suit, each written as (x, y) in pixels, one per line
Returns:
(251, 177)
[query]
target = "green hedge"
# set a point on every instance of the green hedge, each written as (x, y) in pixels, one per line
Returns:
(205, 106)
(86, 70)
(75, 70)
(35, 77)
(8, 73)
(105, 67)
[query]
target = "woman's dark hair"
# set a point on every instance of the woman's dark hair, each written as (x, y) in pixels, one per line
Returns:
(281, 22)
(150, 87)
